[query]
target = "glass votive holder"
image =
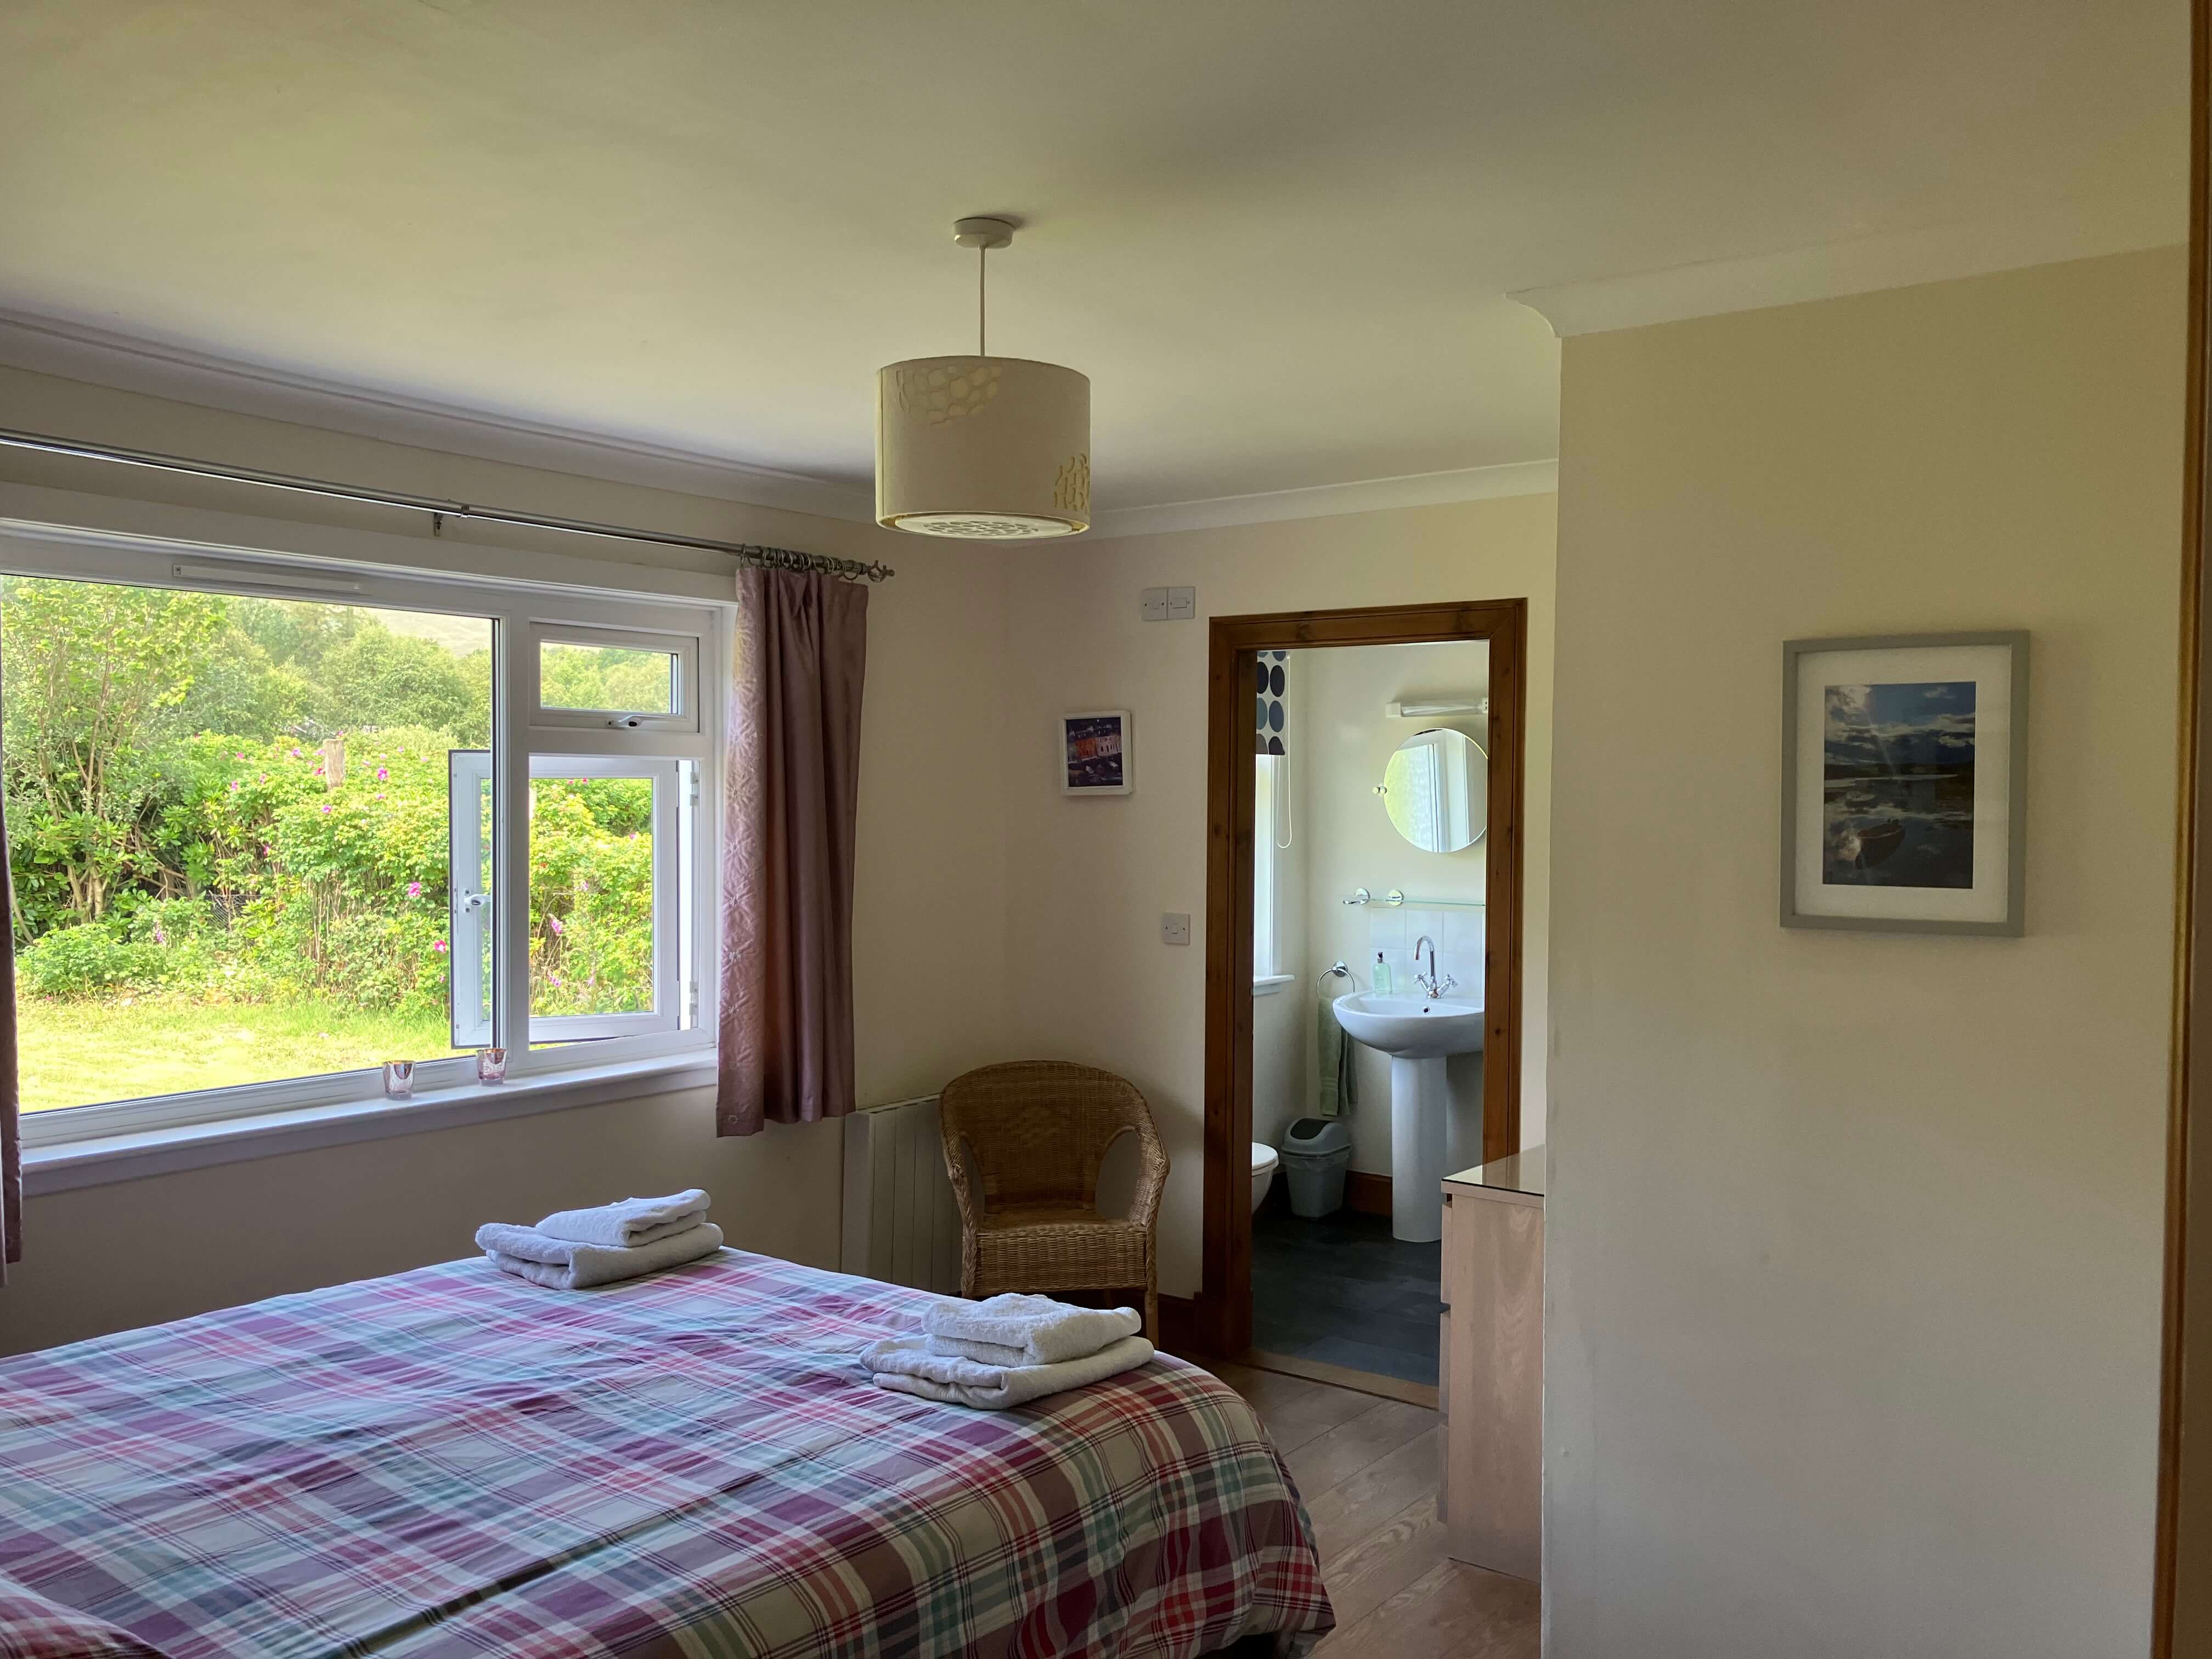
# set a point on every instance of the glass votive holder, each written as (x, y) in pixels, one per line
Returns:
(491, 1064)
(398, 1078)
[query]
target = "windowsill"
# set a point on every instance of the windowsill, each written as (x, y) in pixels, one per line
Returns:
(1272, 983)
(62, 1166)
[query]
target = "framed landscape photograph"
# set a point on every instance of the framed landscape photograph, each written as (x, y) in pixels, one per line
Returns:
(1903, 782)
(1095, 756)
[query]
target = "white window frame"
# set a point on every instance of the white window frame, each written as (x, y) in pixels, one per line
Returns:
(471, 920)
(1266, 877)
(683, 689)
(523, 613)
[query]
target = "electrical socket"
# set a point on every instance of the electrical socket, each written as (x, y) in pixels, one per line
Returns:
(1152, 604)
(1175, 927)
(1183, 604)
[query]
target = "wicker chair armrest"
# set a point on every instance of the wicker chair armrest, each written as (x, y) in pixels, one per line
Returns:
(1152, 1181)
(971, 1201)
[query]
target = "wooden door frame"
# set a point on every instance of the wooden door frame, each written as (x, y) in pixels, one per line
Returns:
(2181, 1599)
(1222, 1316)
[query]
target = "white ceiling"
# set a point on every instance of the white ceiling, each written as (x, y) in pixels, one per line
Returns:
(1279, 235)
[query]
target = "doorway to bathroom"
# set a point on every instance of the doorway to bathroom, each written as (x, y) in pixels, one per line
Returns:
(1365, 773)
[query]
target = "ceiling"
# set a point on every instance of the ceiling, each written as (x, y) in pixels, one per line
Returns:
(1279, 235)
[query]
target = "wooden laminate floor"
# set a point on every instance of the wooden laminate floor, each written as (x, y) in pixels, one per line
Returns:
(1368, 1470)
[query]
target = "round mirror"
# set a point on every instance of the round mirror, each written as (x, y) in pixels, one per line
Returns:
(1437, 790)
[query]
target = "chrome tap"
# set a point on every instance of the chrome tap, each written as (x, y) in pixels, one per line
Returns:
(1429, 982)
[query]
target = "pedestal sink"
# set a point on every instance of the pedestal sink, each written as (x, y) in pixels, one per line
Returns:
(1417, 1033)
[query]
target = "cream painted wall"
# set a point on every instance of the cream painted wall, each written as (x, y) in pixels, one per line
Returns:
(1854, 1238)
(1086, 880)
(139, 1252)
(929, 937)
(1350, 740)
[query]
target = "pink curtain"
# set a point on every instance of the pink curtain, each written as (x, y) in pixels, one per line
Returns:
(789, 815)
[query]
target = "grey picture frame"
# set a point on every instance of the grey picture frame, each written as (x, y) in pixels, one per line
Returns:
(2014, 923)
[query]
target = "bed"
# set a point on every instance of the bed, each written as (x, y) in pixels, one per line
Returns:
(453, 1461)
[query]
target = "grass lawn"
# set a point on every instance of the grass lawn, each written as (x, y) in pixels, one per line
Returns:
(75, 1053)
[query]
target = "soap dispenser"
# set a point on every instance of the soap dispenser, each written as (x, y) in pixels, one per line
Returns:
(1381, 985)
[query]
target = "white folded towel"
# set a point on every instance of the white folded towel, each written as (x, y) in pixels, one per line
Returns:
(632, 1221)
(1032, 1330)
(561, 1264)
(905, 1364)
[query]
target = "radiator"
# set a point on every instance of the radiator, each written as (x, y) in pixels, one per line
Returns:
(901, 1223)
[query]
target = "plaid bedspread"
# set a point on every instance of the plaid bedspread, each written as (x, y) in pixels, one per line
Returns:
(453, 1461)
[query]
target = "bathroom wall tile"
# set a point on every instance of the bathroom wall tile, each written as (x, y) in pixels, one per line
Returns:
(1418, 922)
(1386, 930)
(1463, 931)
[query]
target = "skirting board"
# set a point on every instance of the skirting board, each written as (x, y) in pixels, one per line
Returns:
(1365, 1194)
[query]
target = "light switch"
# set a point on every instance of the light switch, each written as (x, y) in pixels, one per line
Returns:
(1175, 927)
(1154, 604)
(1183, 604)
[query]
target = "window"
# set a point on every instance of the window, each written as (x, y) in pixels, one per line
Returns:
(597, 677)
(1266, 879)
(272, 826)
(609, 891)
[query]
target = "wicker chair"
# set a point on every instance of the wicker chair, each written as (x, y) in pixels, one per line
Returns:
(1038, 1130)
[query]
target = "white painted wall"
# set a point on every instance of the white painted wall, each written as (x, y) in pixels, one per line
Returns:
(1853, 1239)
(929, 933)
(1086, 880)
(1351, 739)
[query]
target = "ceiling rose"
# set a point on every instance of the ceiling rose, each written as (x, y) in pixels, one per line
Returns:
(984, 448)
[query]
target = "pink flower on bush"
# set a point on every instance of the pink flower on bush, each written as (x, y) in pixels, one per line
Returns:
(235, 786)
(160, 938)
(414, 889)
(554, 922)
(381, 776)
(295, 753)
(440, 947)
(327, 806)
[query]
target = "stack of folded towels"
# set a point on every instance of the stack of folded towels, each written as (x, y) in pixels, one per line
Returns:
(571, 1249)
(1006, 1350)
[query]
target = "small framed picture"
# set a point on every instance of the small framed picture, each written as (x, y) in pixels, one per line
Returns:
(1095, 753)
(1904, 783)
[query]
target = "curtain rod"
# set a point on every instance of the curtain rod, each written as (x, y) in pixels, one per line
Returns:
(746, 553)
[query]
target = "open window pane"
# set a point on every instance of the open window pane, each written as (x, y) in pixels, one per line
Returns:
(230, 833)
(469, 895)
(608, 678)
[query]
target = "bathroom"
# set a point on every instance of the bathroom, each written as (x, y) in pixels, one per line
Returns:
(1368, 848)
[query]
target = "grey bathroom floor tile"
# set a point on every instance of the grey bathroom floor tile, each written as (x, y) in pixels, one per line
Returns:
(1341, 1290)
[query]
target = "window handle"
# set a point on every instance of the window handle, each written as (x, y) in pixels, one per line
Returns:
(471, 903)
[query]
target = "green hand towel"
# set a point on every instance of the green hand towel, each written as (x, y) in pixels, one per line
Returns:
(1339, 1087)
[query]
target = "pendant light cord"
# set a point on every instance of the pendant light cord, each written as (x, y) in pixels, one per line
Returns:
(982, 281)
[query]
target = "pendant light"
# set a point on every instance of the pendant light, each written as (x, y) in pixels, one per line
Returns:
(982, 447)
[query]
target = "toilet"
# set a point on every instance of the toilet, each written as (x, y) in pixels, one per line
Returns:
(1263, 1173)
